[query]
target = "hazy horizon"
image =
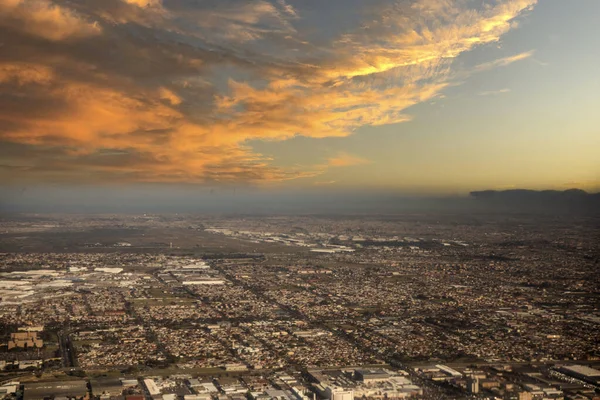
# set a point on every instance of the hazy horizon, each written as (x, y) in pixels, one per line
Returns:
(251, 200)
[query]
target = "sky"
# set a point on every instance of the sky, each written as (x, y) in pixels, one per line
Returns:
(424, 97)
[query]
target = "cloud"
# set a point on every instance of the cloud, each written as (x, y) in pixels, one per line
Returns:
(503, 62)
(24, 74)
(45, 19)
(145, 3)
(144, 90)
(169, 95)
(424, 33)
(346, 160)
(493, 92)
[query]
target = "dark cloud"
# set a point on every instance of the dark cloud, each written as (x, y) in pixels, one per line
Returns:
(172, 90)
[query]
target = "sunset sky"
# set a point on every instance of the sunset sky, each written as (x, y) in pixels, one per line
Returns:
(415, 96)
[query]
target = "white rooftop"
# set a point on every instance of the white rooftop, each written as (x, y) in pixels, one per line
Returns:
(583, 370)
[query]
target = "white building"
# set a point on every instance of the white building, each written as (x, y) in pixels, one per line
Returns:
(151, 386)
(449, 371)
(337, 393)
(205, 282)
(331, 392)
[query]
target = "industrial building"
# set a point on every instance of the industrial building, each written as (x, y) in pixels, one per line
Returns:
(363, 383)
(449, 371)
(331, 392)
(41, 390)
(106, 387)
(586, 374)
(151, 386)
(206, 281)
(371, 375)
(8, 388)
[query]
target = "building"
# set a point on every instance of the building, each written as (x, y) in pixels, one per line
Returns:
(206, 281)
(335, 392)
(41, 390)
(449, 371)
(525, 396)
(489, 383)
(235, 367)
(8, 388)
(473, 384)
(129, 383)
(202, 388)
(151, 386)
(204, 396)
(277, 394)
(37, 328)
(24, 364)
(106, 387)
(371, 375)
(586, 374)
(25, 340)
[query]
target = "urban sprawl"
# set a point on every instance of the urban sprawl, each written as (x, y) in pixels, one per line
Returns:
(300, 308)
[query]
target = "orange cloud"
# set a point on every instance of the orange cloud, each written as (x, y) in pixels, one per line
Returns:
(169, 95)
(346, 160)
(45, 19)
(413, 35)
(25, 73)
(133, 90)
(144, 3)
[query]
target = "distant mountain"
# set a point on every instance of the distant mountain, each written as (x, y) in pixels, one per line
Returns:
(572, 200)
